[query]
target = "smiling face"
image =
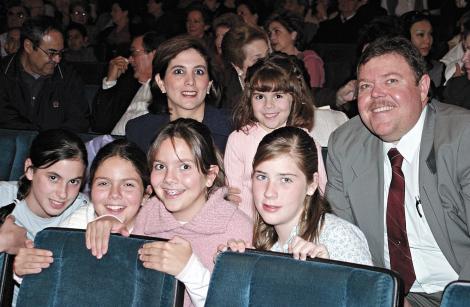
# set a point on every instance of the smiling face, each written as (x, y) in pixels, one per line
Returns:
(177, 181)
(37, 61)
(195, 25)
(117, 189)
(279, 192)
(421, 36)
(271, 109)
(186, 83)
(389, 99)
(281, 39)
(53, 189)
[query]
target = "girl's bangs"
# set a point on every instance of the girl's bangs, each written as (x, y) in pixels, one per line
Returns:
(271, 80)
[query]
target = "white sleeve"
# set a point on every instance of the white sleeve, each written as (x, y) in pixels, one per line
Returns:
(196, 278)
(108, 84)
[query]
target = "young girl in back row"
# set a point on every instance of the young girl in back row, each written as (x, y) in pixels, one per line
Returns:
(275, 95)
(189, 208)
(292, 216)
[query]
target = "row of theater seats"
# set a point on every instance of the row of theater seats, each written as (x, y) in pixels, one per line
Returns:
(253, 278)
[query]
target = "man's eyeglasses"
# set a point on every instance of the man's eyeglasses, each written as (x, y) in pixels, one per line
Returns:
(78, 13)
(52, 53)
(20, 15)
(136, 52)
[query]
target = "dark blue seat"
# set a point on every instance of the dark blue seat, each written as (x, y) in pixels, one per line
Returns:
(76, 278)
(456, 294)
(271, 279)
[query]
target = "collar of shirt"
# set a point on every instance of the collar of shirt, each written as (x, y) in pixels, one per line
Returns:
(285, 247)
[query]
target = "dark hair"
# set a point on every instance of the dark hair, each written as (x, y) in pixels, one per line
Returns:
(34, 29)
(234, 41)
(410, 18)
(205, 13)
(151, 40)
(50, 147)
(292, 22)
(299, 145)
(79, 27)
(166, 52)
(278, 72)
(251, 5)
(81, 3)
(396, 45)
(465, 29)
(199, 140)
(228, 20)
(126, 150)
(382, 26)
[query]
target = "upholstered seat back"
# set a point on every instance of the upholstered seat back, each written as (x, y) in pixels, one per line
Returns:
(456, 294)
(76, 278)
(268, 279)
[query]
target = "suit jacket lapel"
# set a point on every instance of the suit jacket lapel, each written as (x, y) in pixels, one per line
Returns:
(366, 196)
(429, 194)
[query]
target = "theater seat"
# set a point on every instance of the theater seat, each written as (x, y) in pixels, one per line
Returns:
(76, 278)
(456, 294)
(7, 283)
(271, 279)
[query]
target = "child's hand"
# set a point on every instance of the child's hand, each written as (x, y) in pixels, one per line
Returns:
(169, 257)
(31, 260)
(234, 246)
(12, 236)
(98, 232)
(301, 249)
(233, 195)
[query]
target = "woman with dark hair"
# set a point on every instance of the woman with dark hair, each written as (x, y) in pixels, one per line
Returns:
(286, 35)
(242, 46)
(184, 85)
(418, 29)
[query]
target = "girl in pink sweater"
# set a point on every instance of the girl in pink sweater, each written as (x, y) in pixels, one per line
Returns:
(189, 209)
(275, 95)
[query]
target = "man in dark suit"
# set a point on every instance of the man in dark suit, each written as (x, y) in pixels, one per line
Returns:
(401, 172)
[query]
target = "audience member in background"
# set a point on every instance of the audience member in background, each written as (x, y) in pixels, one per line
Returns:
(217, 7)
(78, 49)
(344, 27)
(220, 27)
(163, 18)
(124, 96)
(36, 91)
(400, 172)
(303, 9)
(189, 208)
(286, 35)
(119, 178)
(16, 16)
(453, 58)
(117, 37)
(80, 13)
(198, 23)
(12, 43)
(417, 27)
(242, 46)
(276, 95)
(457, 90)
(184, 84)
(291, 214)
(249, 11)
(35, 7)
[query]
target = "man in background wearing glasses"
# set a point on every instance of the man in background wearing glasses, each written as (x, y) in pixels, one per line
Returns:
(36, 92)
